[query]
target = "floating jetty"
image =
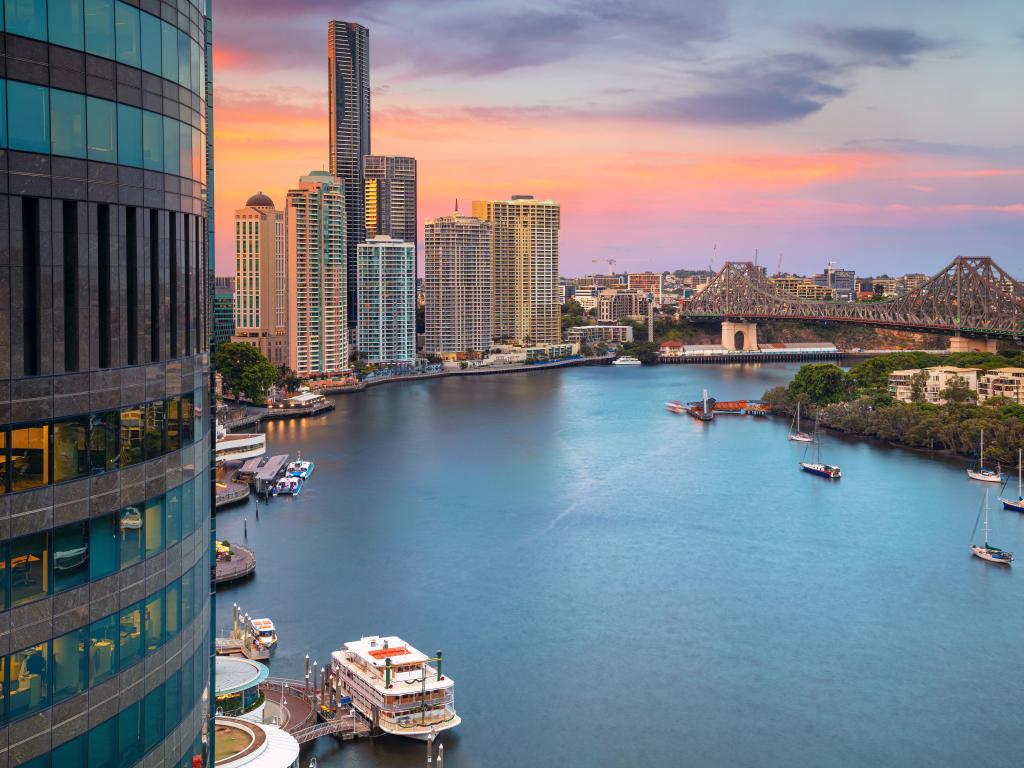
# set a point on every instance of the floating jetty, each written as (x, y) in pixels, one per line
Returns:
(741, 407)
(240, 639)
(702, 410)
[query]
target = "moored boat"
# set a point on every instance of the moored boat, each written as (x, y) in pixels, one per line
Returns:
(818, 467)
(1018, 505)
(986, 551)
(981, 473)
(795, 432)
(264, 633)
(291, 486)
(626, 360)
(675, 406)
(300, 468)
(395, 687)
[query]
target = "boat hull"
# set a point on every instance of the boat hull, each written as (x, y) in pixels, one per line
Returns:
(1002, 558)
(801, 438)
(832, 473)
(422, 734)
(984, 477)
(1013, 506)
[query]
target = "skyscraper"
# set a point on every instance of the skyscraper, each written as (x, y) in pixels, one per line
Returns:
(223, 309)
(457, 284)
(390, 200)
(105, 594)
(524, 257)
(348, 78)
(387, 301)
(315, 234)
(261, 279)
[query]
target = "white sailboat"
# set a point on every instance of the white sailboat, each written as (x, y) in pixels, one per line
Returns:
(818, 467)
(985, 475)
(1018, 505)
(987, 551)
(795, 433)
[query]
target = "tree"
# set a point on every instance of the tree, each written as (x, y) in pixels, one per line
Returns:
(918, 383)
(287, 379)
(644, 351)
(821, 383)
(245, 370)
(958, 391)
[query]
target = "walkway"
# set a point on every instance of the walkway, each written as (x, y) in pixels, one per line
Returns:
(241, 564)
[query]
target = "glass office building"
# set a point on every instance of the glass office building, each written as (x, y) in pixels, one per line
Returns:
(105, 596)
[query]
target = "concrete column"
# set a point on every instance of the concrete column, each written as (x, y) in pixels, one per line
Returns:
(963, 344)
(748, 341)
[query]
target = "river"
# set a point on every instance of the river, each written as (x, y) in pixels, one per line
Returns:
(614, 585)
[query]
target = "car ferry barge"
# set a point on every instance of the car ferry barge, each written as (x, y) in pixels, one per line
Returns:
(395, 687)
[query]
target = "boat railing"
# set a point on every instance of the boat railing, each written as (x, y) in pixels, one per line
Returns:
(429, 703)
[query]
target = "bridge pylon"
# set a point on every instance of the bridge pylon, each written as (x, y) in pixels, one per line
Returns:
(963, 344)
(739, 336)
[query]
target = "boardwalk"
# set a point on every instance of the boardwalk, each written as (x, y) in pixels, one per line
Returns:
(296, 712)
(241, 564)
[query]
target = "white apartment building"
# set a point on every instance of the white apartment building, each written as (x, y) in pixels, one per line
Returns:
(1002, 382)
(595, 334)
(387, 301)
(901, 383)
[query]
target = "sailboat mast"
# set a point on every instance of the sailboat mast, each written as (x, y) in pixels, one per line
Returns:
(986, 517)
(1020, 493)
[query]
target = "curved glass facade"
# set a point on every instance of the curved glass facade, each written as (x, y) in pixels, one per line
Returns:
(105, 438)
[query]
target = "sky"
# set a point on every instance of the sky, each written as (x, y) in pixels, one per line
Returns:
(884, 136)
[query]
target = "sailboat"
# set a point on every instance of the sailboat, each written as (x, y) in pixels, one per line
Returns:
(1018, 505)
(988, 552)
(985, 475)
(817, 467)
(795, 433)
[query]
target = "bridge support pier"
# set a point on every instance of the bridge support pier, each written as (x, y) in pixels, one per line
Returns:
(739, 337)
(963, 344)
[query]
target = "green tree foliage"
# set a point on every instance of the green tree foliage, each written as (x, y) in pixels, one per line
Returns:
(572, 314)
(287, 379)
(644, 351)
(958, 391)
(245, 371)
(821, 383)
(918, 384)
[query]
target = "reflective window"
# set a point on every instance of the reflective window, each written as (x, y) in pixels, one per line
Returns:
(28, 117)
(188, 504)
(185, 149)
(4, 548)
(153, 526)
(131, 436)
(184, 59)
(154, 621)
(172, 609)
(188, 684)
(187, 419)
(156, 425)
(128, 36)
(3, 462)
(188, 597)
(129, 135)
(130, 635)
(30, 568)
(152, 141)
(103, 745)
(172, 699)
(67, 118)
(151, 61)
(3, 689)
(169, 51)
(70, 556)
(197, 155)
(129, 733)
(153, 724)
(70, 449)
(104, 429)
(104, 546)
(173, 424)
(3, 110)
(30, 457)
(29, 680)
(72, 753)
(66, 26)
(197, 72)
(172, 516)
(70, 664)
(99, 27)
(26, 18)
(102, 129)
(172, 157)
(103, 661)
(131, 536)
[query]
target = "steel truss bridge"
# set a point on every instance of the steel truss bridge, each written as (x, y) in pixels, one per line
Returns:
(973, 296)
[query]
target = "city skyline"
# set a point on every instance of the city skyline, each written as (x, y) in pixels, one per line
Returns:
(822, 137)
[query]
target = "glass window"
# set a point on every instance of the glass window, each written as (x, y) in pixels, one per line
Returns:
(103, 745)
(197, 155)
(154, 621)
(67, 123)
(188, 685)
(72, 753)
(130, 635)
(3, 110)
(102, 129)
(3, 594)
(28, 117)
(26, 18)
(172, 516)
(153, 727)
(185, 149)
(3, 689)
(104, 546)
(104, 429)
(70, 556)
(156, 425)
(188, 505)
(169, 51)
(30, 568)
(30, 457)
(70, 449)
(131, 436)
(150, 25)
(43, 761)
(152, 140)
(99, 27)
(129, 135)
(153, 526)
(70, 664)
(188, 587)
(187, 419)
(172, 699)
(129, 733)
(173, 424)
(172, 156)
(172, 609)
(65, 19)
(197, 72)
(131, 536)
(128, 35)
(103, 661)
(184, 59)
(29, 682)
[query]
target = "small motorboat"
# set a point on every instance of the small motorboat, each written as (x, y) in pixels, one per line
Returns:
(291, 486)
(263, 632)
(626, 360)
(300, 468)
(675, 406)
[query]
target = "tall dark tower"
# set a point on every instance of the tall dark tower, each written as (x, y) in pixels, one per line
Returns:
(348, 76)
(105, 407)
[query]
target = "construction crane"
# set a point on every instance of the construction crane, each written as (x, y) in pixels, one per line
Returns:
(610, 263)
(778, 267)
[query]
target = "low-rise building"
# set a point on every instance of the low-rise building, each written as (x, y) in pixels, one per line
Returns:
(803, 288)
(544, 352)
(938, 378)
(670, 348)
(595, 334)
(646, 282)
(616, 303)
(1002, 382)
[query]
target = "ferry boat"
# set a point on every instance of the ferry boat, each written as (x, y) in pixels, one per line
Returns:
(300, 468)
(1018, 505)
(626, 360)
(675, 406)
(795, 433)
(394, 686)
(818, 467)
(263, 632)
(987, 551)
(288, 485)
(985, 475)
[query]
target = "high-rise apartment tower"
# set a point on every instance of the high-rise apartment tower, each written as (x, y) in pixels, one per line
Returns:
(390, 198)
(348, 79)
(387, 301)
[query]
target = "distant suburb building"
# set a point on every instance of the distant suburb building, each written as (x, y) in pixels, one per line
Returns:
(457, 284)
(524, 257)
(261, 279)
(390, 197)
(595, 334)
(1002, 382)
(315, 234)
(613, 304)
(647, 282)
(387, 301)
(223, 300)
(937, 378)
